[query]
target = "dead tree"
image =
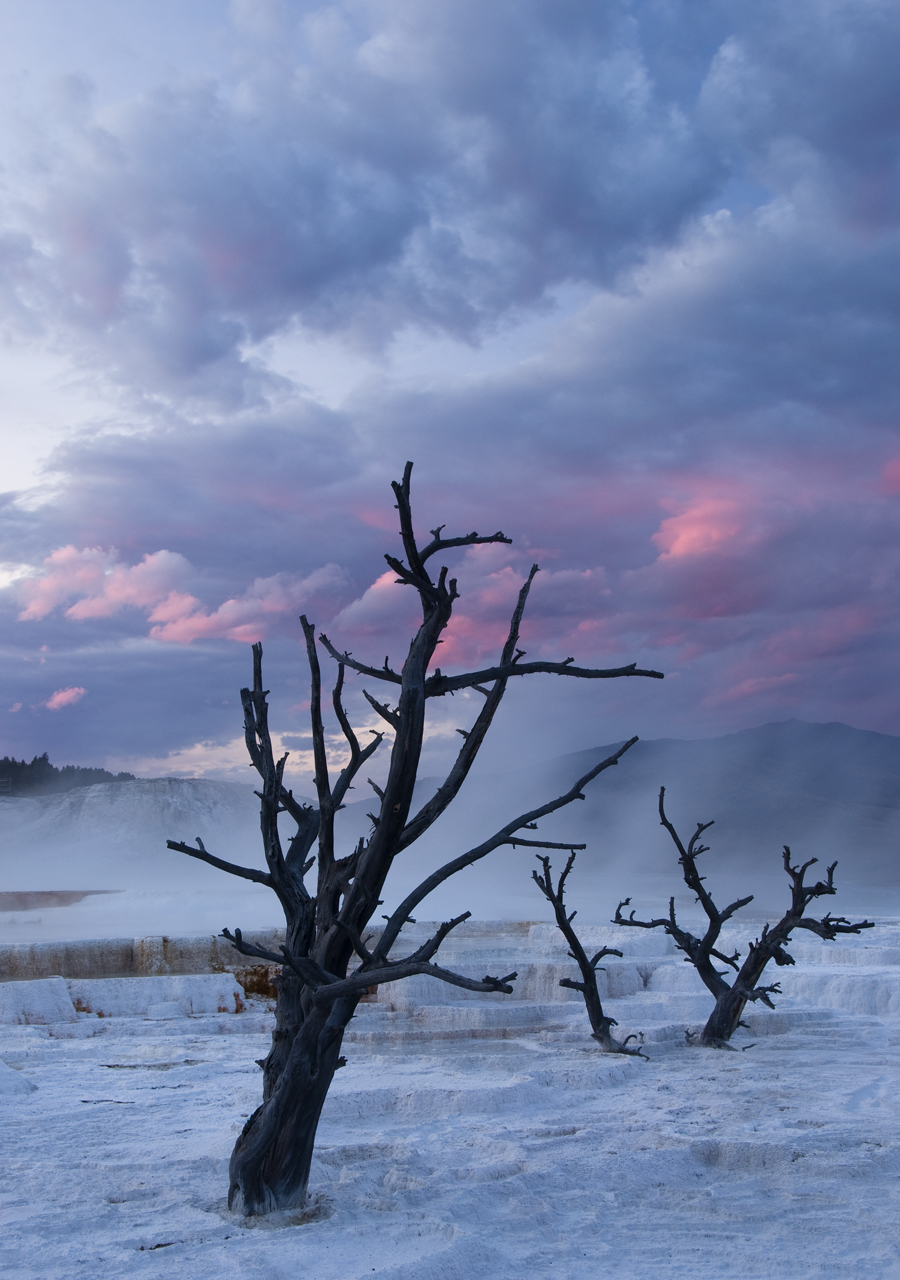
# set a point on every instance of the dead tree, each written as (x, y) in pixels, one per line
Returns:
(318, 990)
(601, 1024)
(731, 999)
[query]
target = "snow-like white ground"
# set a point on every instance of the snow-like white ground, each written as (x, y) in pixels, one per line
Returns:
(470, 1138)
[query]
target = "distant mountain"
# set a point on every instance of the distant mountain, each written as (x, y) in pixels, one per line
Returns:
(826, 790)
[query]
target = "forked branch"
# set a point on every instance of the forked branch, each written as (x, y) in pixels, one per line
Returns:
(449, 789)
(437, 685)
(417, 574)
(358, 756)
(327, 987)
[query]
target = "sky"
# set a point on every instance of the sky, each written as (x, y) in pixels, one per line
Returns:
(621, 279)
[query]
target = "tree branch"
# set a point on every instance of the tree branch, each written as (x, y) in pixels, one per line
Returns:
(830, 927)
(468, 540)
(365, 977)
(346, 659)
(503, 836)
(358, 756)
(685, 941)
(383, 710)
(429, 948)
(245, 873)
(437, 686)
(515, 841)
(251, 949)
(328, 987)
(416, 558)
(323, 790)
(401, 493)
(305, 967)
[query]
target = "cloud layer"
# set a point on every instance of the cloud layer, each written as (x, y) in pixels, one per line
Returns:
(621, 279)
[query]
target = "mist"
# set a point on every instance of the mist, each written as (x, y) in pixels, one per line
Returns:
(828, 791)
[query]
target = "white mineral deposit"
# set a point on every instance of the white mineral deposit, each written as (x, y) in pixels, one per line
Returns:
(468, 1136)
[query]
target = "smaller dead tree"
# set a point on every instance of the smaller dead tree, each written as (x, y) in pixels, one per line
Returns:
(601, 1023)
(745, 988)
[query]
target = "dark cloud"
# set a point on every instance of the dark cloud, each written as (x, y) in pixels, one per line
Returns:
(702, 455)
(383, 167)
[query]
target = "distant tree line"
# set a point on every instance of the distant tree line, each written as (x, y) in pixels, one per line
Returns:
(40, 777)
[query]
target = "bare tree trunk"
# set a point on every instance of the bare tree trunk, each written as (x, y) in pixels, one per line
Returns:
(601, 1023)
(317, 995)
(724, 1019)
(270, 1163)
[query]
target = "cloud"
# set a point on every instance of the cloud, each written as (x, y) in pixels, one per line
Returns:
(752, 686)
(107, 586)
(383, 607)
(651, 254)
(65, 698)
(182, 619)
(378, 174)
(104, 583)
(702, 528)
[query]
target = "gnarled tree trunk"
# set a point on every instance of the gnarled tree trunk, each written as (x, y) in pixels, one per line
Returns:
(270, 1164)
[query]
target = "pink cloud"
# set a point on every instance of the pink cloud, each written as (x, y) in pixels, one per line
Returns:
(106, 586)
(489, 586)
(382, 608)
(64, 698)
(182, 618)
(141, 586)
(469, 640)
(67, 572)
(704, 527)
(750, 687)
(376, 517)
(104, 583)
(831, 632)
(16, 706)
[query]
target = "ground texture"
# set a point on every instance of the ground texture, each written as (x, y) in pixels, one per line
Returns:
(450, 1151)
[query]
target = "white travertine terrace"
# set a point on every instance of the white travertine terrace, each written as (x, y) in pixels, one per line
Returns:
(467, 1136)
(653, 992)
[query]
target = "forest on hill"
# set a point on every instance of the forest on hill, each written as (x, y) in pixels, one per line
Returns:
(40, 777)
